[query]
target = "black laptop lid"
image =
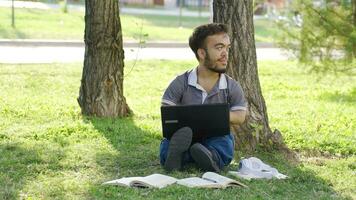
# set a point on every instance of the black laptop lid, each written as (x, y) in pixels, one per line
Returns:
(206, 120)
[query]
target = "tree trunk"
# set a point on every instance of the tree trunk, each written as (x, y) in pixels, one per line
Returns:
(238, 15)
(353, 2)
(101, 91)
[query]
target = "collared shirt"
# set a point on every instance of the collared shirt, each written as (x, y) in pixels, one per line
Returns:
(185, 90)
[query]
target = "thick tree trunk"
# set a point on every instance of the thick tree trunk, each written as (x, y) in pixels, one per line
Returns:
(101, 91)
(238, 15)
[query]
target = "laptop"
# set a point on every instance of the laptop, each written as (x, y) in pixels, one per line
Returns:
(206, 120)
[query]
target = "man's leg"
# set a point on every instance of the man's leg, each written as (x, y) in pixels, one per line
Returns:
(214, 153)
(224, 146)
(163, 150)
(173, 152)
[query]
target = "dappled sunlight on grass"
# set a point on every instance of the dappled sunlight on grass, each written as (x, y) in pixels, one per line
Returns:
(49, 150)
(348, 96)
(294, 107)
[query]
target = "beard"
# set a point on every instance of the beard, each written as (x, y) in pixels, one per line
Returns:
(210, 65)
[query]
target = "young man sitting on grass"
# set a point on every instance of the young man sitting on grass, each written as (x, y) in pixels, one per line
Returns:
(205, 84)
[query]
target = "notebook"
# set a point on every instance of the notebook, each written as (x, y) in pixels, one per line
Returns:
(206, 120)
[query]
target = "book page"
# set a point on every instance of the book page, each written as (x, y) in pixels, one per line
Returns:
(198, 182)
(221, 179)
(122, 181)
(154, 180)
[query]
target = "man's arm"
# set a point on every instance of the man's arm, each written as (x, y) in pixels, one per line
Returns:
(174, 92)
(237, 117)
(238, 104)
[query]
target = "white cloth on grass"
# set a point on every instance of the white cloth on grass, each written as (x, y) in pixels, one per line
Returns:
(254, 168)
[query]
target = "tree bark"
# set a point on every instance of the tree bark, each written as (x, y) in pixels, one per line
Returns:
(101, 90)
(242, 66)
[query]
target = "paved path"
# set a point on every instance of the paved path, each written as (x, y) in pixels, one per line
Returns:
(80, 43)
(46, 51)
(43, 54)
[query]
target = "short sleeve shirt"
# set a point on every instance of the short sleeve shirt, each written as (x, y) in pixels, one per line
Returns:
(185, 90)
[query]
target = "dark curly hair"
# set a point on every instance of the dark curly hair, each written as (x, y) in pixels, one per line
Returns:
(197, 39)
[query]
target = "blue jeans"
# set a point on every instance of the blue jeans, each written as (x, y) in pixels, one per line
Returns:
(223, 146)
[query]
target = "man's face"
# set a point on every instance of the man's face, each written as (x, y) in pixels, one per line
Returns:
(217, 52)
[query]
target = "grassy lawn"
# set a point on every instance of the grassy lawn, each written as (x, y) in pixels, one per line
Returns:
(49, 151)
(53, 24)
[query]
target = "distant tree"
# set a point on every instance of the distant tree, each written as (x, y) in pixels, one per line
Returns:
(326, 39)
(242, 66)
(12, 14)
(65, 6)
(101, 90)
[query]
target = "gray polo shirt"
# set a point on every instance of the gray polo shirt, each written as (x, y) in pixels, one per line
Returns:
(185, 90)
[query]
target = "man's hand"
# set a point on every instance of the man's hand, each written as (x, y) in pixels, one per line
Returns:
(237, 117)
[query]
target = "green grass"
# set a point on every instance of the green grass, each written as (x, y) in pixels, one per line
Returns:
(265, 30)
(41, 24)
(53, 24)
(50, 151)
(313, 114)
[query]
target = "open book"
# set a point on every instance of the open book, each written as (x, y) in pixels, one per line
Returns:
(151, 181)
(210, 180)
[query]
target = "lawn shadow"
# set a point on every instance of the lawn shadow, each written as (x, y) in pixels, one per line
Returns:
(302, 182)
(349, 97)
(137, 149)
(138, 156)
(21, 163)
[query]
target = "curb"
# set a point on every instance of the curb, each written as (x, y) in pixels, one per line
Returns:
(77, 43)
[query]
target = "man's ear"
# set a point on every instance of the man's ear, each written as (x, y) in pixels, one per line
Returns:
(201, 53)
